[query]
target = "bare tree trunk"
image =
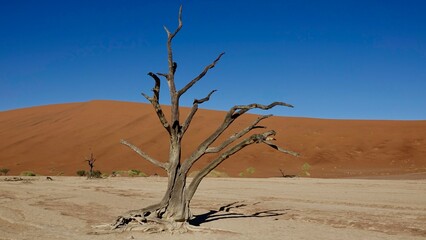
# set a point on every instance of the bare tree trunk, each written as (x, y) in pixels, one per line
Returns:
(174, 201)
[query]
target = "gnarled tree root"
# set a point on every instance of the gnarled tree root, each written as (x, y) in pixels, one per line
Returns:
(144, 222)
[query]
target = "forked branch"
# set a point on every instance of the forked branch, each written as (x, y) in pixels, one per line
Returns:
(144, 155)
(194, 110)
(172, 35)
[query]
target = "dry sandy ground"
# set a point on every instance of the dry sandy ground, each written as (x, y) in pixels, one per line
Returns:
(270, 208)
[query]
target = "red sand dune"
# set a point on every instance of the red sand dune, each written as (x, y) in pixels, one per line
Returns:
(55, 139)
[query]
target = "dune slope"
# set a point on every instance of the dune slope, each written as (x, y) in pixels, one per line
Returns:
(55, 139)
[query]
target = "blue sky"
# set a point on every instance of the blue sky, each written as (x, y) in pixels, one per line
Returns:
(331, 59)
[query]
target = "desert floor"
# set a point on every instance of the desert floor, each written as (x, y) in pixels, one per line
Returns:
(269, 208)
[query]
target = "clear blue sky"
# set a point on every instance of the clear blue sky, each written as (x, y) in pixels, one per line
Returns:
(331, 59)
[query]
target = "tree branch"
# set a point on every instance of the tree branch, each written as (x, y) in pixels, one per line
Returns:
(200, 76)
(172, 35)
(163, 75)
(155, 102)
(156, 88)
(276, 147)
(230, 117)
(202, 100)
(255, 138)
(172, 65)
(171, 77)
(144, 155)
(238, 110)
(194, 110)
(236, 136)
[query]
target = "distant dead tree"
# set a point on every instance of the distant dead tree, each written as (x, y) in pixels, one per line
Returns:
(4, 171)
(91, 162)
(173, 213)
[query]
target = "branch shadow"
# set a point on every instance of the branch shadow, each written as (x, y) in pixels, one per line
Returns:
(224, 212)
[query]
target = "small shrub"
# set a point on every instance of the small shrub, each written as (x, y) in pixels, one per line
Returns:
(4, 171)
(96, 174)
(119, 173)
(249, 171)
(136, 173)
(215, 173)
(81, 173)
(27, 173)
(305, 169)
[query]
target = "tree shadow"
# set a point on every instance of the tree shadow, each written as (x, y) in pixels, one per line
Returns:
(224, 212)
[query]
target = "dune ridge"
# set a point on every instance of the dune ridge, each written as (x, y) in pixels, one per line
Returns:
(55, 139)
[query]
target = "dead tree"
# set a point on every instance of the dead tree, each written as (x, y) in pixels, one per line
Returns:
(172, 212)
(91, 162)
